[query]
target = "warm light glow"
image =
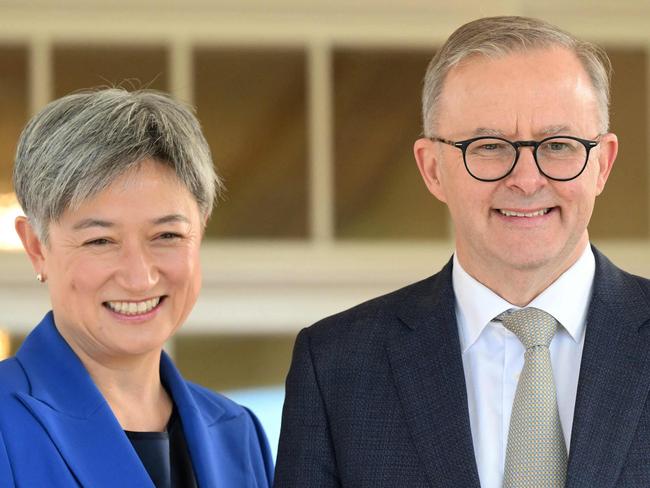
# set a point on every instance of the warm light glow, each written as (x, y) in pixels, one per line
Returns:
(9, 210)
(5, 344)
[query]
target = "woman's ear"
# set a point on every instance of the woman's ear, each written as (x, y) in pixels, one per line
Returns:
(32, 244)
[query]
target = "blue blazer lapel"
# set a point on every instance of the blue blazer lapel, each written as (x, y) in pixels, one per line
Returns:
(195, 426)
(220, 456)
(614, 378)
(66, 402)
(428, 372)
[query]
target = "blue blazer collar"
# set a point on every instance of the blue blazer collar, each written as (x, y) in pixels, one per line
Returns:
(56, 375)
(198, 416)
(65, 400)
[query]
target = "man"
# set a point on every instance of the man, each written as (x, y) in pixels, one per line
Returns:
(525, 360)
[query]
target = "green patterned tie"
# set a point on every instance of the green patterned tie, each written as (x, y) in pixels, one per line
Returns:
(536, 455)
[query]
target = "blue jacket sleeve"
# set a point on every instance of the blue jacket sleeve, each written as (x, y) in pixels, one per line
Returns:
(259, 442)
(6, 473)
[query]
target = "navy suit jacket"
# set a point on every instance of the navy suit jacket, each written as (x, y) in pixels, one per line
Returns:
(376, 395)
(56, 429)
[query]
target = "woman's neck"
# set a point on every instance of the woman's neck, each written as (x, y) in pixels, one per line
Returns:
(132, 388)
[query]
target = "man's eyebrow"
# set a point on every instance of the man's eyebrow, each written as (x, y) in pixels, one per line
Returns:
(87, 223)
(171, 219)
(552, 130)
(484, 131)
(546, 131)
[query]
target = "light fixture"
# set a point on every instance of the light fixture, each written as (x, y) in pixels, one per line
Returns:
(9, 210)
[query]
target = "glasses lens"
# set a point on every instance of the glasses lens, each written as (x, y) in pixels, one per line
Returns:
(561, 158)
(489, 159)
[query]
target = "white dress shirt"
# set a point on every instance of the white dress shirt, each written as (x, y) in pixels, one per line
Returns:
(493, 356)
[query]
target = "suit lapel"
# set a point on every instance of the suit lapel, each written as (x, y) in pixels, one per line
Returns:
(66, 402)
(428, 372)
(614, 378)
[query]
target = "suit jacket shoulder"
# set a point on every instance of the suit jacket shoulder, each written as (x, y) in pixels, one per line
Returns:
(375, 396)
(384, 317)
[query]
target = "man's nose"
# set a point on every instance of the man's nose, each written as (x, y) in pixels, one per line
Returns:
(526, 177)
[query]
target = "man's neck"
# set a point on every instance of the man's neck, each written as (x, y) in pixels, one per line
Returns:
(519, 285)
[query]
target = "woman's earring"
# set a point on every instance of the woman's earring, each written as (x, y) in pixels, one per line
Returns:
(40, 278)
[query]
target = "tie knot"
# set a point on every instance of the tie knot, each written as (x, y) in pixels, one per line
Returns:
(532, 326)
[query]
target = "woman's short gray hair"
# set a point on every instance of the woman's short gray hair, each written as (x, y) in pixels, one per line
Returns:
(79, 144)
(499, 36)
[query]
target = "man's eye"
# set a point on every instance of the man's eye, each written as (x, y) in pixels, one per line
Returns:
(558, 146)
(490, 147)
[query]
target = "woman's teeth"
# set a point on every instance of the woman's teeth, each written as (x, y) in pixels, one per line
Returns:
(134, 308)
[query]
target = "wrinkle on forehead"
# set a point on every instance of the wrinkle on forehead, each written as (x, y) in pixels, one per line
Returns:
(547, 131)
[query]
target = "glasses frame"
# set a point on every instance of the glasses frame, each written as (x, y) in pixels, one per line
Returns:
(463, 145)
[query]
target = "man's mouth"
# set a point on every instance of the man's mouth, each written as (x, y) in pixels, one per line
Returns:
(514, 213)
(134, 308)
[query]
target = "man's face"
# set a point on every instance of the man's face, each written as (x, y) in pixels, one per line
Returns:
(521, 96)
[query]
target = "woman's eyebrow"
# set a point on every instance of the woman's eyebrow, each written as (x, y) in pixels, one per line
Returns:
(171, 219)
(87, 223)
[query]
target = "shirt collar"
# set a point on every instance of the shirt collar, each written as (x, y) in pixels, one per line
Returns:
(566, 299)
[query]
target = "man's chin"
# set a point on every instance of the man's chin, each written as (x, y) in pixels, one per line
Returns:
(526, 261)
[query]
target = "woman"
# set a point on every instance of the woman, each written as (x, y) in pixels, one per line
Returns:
(117, 188)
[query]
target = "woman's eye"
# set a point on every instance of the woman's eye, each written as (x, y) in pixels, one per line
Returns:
(169, 235)
(97, 242)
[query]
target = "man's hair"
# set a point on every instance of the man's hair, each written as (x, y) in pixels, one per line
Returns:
(498, 36)
(79, 144)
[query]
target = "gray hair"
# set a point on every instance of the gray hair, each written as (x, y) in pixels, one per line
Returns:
(81, 143)
(498, 36)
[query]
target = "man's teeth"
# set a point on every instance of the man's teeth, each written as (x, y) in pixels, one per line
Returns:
(134, 308)
(510, 213)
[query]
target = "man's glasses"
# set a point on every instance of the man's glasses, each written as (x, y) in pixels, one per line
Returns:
(559, 158)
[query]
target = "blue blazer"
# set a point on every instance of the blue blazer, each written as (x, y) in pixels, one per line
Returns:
(56, 429)
(376, 395)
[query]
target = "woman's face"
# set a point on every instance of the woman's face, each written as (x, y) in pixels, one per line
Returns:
(123, 270)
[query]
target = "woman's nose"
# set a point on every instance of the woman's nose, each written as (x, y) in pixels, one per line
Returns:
(137, 270)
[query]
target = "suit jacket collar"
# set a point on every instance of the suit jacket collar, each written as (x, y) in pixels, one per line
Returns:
(612, 390)
(614, 377)
(64, 399)
(428, 373)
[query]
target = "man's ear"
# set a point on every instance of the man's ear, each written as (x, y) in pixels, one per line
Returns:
(608, 149)
(32, 245)
(427, 158)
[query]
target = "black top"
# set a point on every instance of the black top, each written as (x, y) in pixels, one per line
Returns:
(165, 455)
